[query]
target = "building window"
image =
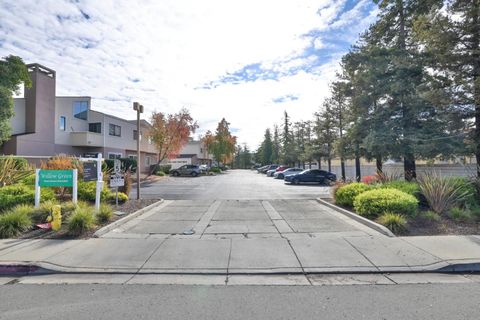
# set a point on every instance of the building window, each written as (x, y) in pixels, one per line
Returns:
(80, 109)
(135, 135)
(114, 130)
(147, 161)
(150, 140)
(95, 127)
(63, 123)
(114, 155)
(132, 156)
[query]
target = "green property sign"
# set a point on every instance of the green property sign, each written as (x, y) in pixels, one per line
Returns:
(55, 178)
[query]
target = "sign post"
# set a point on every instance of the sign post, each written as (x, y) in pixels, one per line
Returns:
(94, 173)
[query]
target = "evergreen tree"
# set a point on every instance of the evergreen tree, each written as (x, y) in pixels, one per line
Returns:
(287, 140)
(276, 145)
(451, 38)
(267, 148)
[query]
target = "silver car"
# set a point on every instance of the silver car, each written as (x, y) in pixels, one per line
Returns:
(286, 172)
(186, 170)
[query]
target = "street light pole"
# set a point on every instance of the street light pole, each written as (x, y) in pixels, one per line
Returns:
(139, 108)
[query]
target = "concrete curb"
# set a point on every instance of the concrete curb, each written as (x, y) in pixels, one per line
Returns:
(100, 232)
(369, 223)
(39, 268)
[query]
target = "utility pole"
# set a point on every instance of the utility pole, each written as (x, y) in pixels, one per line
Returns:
(139, 108)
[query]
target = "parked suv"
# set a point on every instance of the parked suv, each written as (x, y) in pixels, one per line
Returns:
(186, 170)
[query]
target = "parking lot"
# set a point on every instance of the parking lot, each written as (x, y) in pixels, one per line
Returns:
(233, 185)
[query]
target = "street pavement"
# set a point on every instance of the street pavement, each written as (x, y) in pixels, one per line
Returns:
(442, 301)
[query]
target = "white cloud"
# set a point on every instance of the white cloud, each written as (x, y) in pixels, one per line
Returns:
(173, 47)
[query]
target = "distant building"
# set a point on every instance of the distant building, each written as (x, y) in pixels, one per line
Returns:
(45, 125)
(194, 152)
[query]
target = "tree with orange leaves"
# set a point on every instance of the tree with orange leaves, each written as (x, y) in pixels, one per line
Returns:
(170, 132)
(222, 144)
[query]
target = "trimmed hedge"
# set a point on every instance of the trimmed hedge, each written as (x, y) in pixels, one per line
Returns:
(346, 194)
(125, 164)
(374, 203)
(11, 196)
(411, 188)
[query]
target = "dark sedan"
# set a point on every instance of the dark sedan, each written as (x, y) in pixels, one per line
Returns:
(311, 175)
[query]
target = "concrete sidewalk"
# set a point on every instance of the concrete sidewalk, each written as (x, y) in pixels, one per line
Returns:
(321, 254)
(243, 237)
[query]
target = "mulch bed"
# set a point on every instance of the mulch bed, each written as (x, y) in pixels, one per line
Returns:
(445, 226)
(128, 207)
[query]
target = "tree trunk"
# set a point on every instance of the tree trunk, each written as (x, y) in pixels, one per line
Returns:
(378, 163)
(358, 173)
(342, 165)
(409, 167)
(319, 163)
(329, 163)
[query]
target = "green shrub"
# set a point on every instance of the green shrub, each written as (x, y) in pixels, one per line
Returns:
(19, 194)
(87, 191)
(125, 164)
(14, 222)
(411, 188)
(29, 180)
(122, 197)
(215, 170)
(442, 193)
(68, 207)
(81, 221)
(165, 168)
(460, 215)
(105, 213)
(395, 222)
(467, 187)
(375, 202)
(160, 173)
(346, 194)
(430, 216)
(20, 162)
(39, 215)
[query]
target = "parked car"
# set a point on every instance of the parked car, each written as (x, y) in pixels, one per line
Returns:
(311, 175)
(286, 172)
(270, 172)
(281, 168)
(186, 170)
(269, 167)
(203, 168)
(260, 169)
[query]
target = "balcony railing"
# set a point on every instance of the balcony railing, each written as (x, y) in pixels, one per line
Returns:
(87, 139)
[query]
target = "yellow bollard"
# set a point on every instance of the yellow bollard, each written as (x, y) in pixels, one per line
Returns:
(57, 217)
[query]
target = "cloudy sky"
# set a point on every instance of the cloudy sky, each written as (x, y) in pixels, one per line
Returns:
(247, 60)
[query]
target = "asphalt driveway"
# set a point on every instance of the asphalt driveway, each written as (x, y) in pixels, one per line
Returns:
(233, 184)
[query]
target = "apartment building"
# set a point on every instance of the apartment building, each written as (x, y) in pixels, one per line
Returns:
(45, 125)
(194, 152)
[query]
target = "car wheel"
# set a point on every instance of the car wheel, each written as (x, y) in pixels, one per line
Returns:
(176, 174)
(296, 181)
(194, 174)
